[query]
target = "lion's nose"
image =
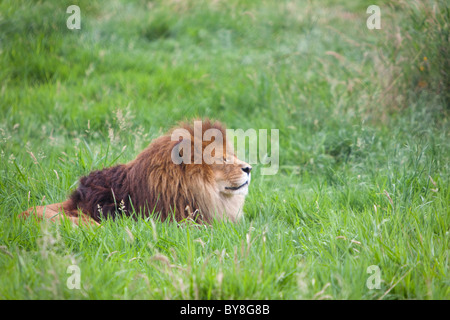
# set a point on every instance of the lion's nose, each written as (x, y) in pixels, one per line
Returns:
(247, 170)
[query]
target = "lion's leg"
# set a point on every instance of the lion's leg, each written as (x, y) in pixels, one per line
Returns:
(56, 212)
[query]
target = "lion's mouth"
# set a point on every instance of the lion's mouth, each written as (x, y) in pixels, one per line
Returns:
(237, 188)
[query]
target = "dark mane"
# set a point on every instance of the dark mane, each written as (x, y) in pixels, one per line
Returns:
(103, 192)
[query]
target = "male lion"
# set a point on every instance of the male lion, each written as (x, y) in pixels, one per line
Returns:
(154, 184)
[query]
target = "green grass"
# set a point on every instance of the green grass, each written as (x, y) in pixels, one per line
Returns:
(364, 146)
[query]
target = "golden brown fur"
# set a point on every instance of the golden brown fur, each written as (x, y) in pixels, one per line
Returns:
(153, 184)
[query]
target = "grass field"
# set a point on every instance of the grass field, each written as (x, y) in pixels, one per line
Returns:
(364, 146)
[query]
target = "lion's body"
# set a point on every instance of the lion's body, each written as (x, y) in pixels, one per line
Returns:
(153, 184)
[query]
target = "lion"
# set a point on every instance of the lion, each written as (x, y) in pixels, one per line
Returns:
(157, 184)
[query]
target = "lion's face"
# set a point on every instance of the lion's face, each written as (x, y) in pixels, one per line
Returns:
(232, 176)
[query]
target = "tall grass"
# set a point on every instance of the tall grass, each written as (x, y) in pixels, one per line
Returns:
(413, 61)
